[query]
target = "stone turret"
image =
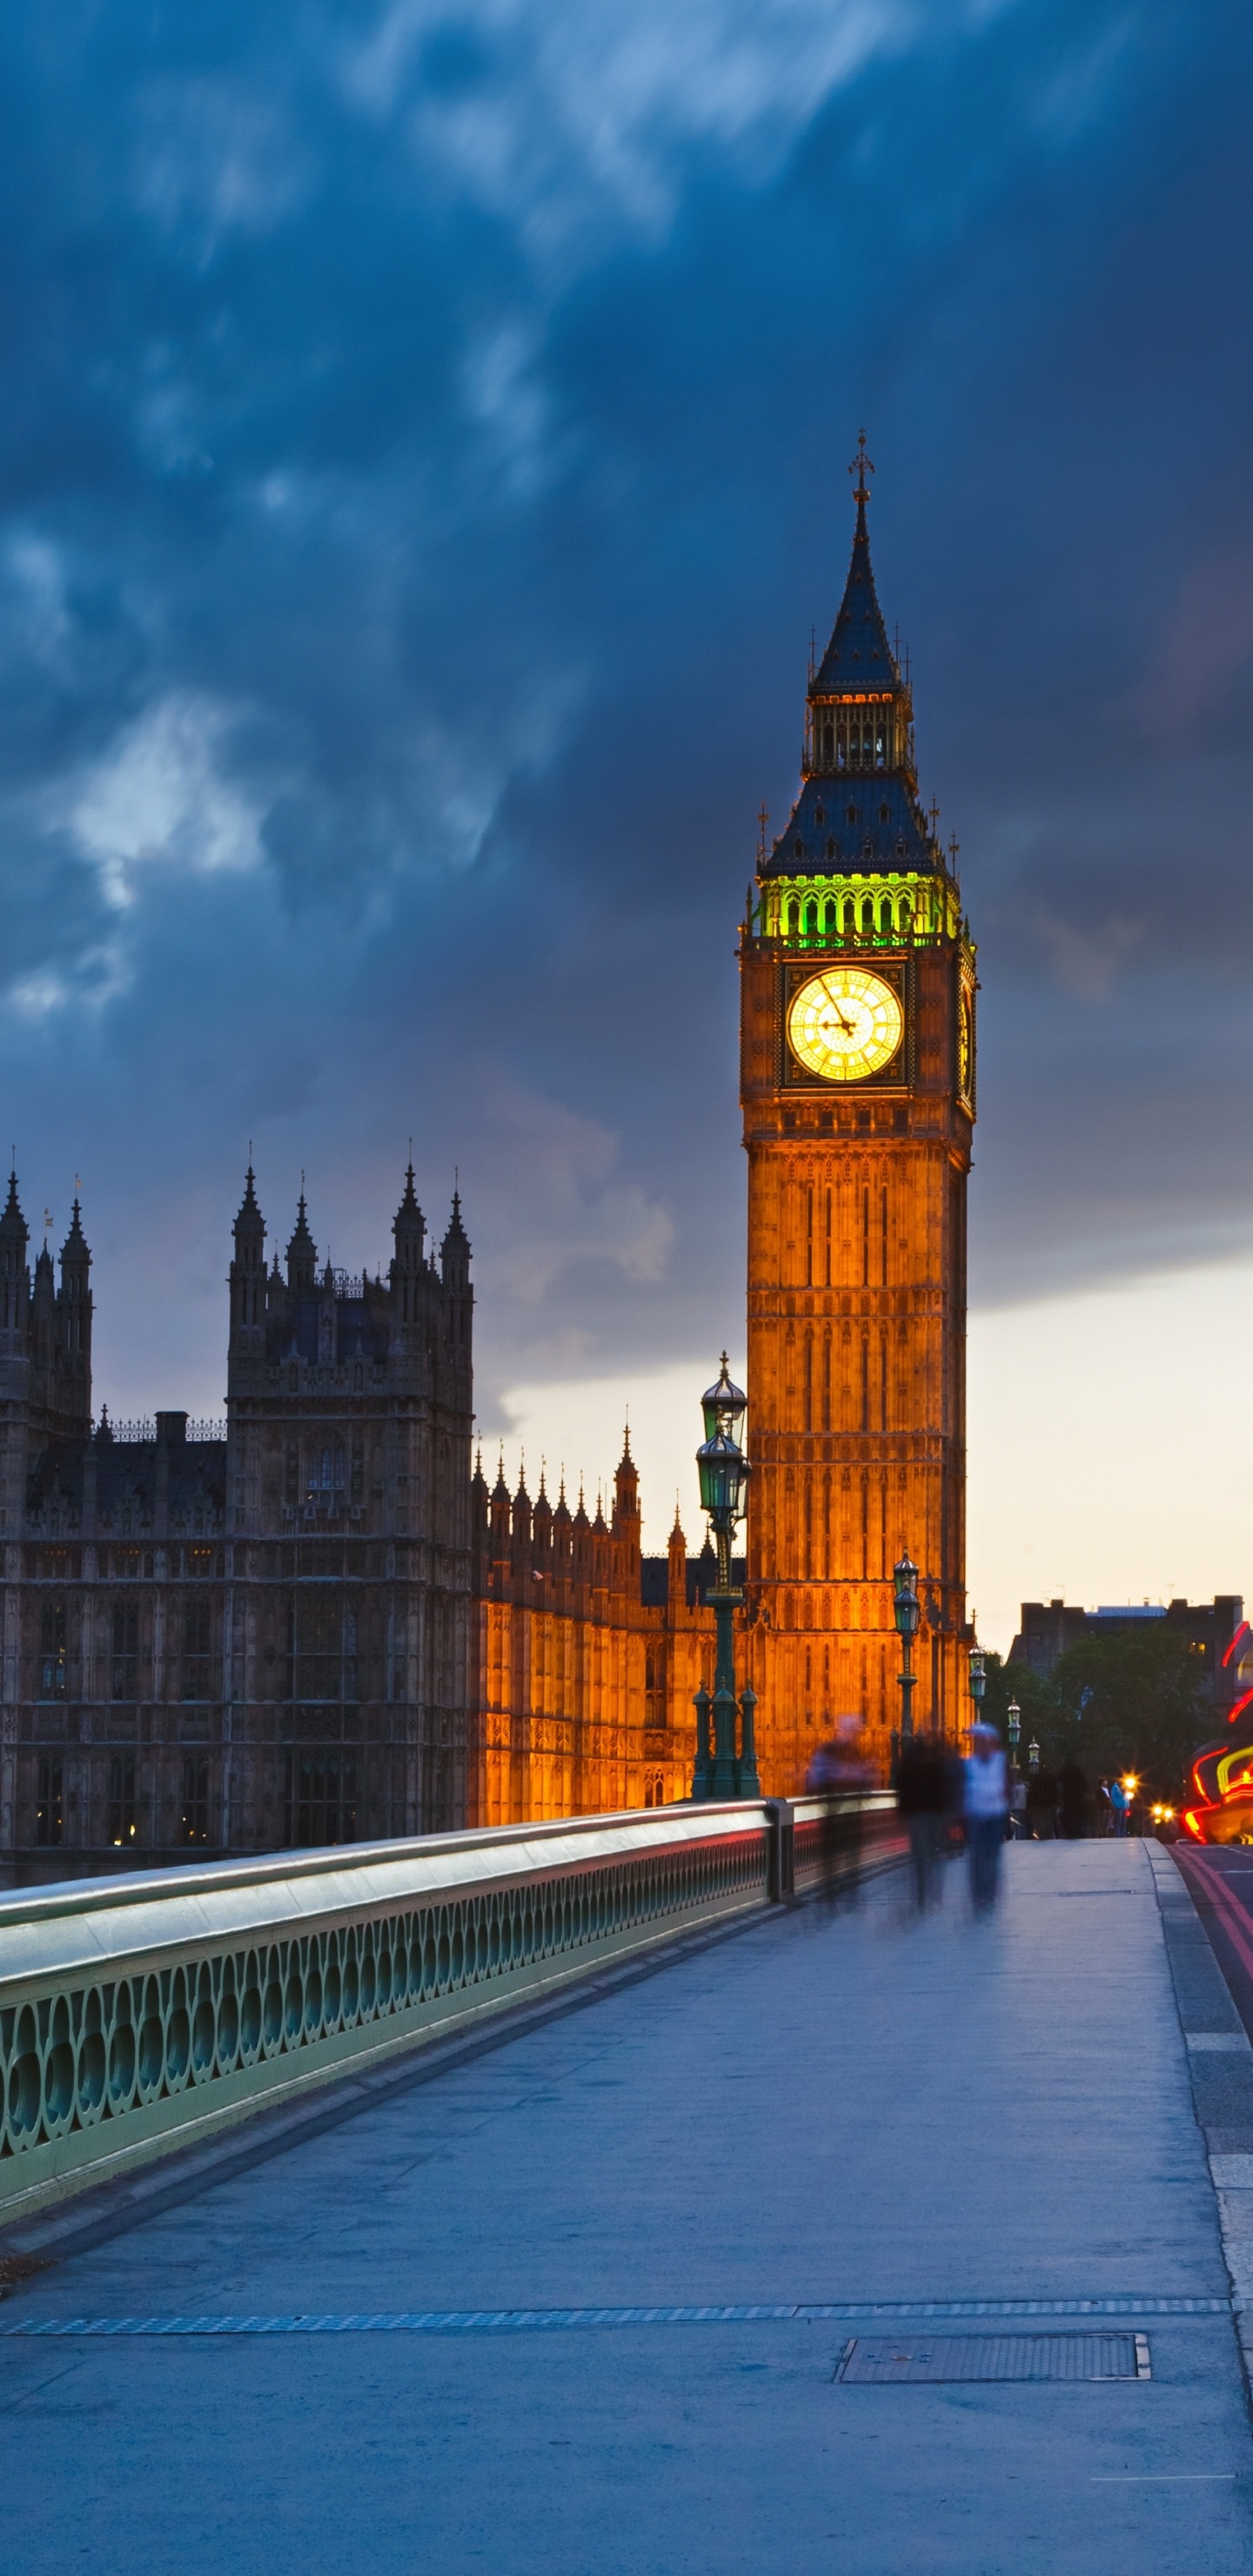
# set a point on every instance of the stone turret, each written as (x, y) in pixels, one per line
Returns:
(73, 1351)
(480, 1525)
(14, 1278)
(500, 1518)
(43, 1321)
(248, 1282)
(581, 1544)
(542, 1532)
(302, 1256)
(454, 1271)
(559, 1545)
(626, 1517)
(454, 1255)
(407, 1273)
(520, 1551)
(677, 1566)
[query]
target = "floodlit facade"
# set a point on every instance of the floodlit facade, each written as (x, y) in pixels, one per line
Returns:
(857, 1080)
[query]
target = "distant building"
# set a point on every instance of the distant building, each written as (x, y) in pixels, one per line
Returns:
(1216, 1630)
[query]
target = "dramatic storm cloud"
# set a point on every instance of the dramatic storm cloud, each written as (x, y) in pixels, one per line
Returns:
(421, 465)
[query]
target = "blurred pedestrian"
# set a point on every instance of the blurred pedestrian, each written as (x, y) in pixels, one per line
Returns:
(922, 1794)
(1042, 1805)
(1119, 1804)
(953, 1838)
(987, 1806)
(1072, 1801)
(839, 1771)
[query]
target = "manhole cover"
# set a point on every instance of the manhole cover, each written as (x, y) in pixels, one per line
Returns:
(936, 2357)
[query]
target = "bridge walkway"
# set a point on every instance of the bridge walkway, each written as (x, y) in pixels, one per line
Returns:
(816, 2111)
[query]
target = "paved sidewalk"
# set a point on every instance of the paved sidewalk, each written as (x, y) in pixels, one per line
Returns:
(819, 2110)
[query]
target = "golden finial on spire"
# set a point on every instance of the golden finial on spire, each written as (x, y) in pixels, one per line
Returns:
(861, 466)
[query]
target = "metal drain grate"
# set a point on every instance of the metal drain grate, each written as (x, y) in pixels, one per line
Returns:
(931, 2358)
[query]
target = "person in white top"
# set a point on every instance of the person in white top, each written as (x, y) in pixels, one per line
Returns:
(987, 1805)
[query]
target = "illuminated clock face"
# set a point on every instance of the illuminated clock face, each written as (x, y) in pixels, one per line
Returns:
(845, 1024)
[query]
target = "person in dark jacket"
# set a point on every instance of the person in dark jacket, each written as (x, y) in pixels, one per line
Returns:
(1042, 1805)
(922, 1799)
(1072, 1801)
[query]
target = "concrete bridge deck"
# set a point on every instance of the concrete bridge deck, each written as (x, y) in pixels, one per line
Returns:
(812, 2111)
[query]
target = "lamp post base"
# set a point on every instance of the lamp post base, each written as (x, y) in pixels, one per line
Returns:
(749, 1786)
(729, 1776)
(702, 1776)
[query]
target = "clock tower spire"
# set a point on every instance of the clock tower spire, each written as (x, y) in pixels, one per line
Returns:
(857, 1085)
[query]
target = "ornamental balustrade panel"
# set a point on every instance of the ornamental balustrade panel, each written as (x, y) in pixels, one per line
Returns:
(143, 2012)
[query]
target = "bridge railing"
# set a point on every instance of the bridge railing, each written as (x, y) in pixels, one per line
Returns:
(148, 2011)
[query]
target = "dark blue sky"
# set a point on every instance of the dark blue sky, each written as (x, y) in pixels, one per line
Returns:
(422, 460)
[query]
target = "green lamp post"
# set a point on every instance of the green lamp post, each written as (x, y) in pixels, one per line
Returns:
(907, 1612)
(724, 1471)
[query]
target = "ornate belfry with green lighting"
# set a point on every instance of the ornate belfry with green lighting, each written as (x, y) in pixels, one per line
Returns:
(858, 1091)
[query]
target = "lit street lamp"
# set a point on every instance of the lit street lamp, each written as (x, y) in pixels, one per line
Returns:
(907, 1613)
(724, 1471)
(978, 1680)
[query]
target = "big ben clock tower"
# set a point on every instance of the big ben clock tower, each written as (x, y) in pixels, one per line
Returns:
(857, 1082)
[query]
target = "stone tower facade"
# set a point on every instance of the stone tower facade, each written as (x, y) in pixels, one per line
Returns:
(251, 1635)
(858, 1093)
(349, 1412)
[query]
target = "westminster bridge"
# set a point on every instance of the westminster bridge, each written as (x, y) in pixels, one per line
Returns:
(640, 2194)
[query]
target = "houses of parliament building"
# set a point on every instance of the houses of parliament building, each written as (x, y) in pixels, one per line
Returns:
(316, 1623)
